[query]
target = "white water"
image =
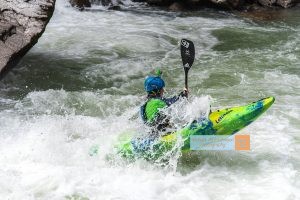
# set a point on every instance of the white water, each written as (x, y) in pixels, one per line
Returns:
(82, 82)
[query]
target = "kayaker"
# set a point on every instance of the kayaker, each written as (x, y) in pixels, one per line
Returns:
(151, 111)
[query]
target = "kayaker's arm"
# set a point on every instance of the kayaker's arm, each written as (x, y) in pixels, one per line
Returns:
(170, 101)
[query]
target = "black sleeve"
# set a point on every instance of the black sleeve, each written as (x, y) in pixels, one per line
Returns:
(170, 101)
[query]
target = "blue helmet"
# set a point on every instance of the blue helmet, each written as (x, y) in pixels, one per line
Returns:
(153, 83)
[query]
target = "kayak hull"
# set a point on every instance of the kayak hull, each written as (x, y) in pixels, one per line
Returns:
(221, 122)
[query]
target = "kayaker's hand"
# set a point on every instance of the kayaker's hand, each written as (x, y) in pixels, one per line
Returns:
(184, 93)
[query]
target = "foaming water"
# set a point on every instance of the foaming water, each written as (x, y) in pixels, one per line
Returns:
(82, 85)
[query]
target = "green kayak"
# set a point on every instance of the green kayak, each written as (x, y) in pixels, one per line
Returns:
(220, 122)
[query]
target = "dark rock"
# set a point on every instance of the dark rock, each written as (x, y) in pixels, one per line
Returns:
(114, 7)
(106, 2)
(111, 4)
(287, 3)
(268, 3)
(282, 3)
(236, 3)
(160, 2)
(229, 4)
(21, 25)
(222, 4)
(80, 4)
(176, 7)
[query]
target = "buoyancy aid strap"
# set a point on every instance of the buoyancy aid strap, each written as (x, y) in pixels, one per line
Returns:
(143, 112)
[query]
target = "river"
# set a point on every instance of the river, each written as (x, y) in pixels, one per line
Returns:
(82, 84)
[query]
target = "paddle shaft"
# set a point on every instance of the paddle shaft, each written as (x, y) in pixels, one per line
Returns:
(186, 71)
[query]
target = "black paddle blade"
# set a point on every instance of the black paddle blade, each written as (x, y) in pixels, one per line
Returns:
(187, 49)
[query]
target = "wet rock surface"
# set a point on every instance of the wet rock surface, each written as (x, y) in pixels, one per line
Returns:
(281, 3)
(181, 5)
(224, 4)
(80, 4)
(110, 4)
(22, 22)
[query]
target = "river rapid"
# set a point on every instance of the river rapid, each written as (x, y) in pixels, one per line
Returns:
(82, 85)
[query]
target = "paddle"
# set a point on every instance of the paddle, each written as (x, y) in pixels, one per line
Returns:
(187, 49)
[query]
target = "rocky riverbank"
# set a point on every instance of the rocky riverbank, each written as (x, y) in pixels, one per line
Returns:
(225, 4)
(21, 25)
(179, 5)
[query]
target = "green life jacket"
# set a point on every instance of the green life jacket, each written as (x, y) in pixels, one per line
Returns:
(151, 108)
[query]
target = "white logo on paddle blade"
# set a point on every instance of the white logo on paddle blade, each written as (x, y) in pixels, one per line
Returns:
(187, 52)
(185, 43)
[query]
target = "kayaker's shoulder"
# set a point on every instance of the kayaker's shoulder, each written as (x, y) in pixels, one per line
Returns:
(157, 102)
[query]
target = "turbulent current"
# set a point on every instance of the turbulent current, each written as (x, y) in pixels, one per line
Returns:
(82, 85)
